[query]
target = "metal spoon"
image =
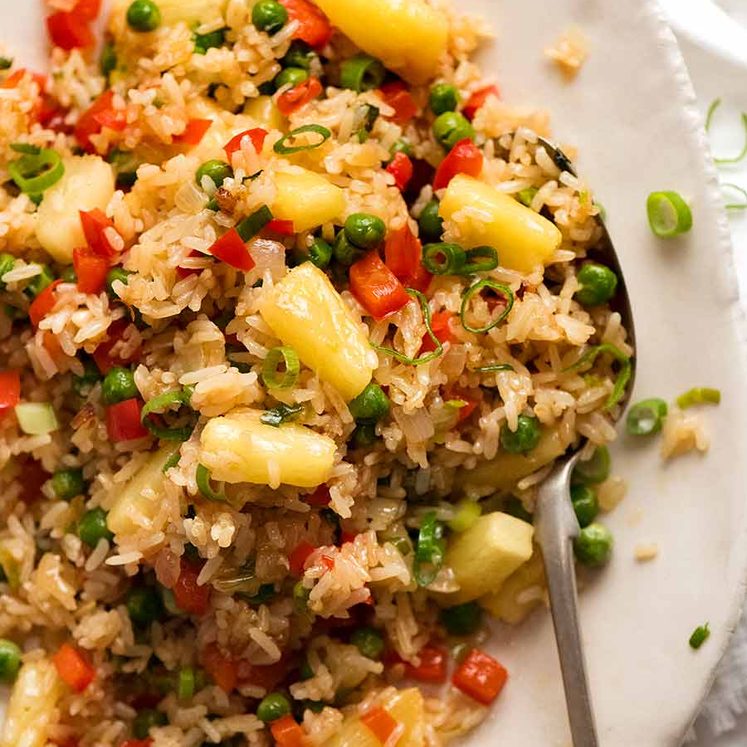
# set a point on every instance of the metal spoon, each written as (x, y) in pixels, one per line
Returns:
(556, 527)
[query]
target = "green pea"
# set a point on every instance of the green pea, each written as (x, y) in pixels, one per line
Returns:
(203, 42)
(92, 527)
(269, 16)
(593, 546)
(451, 127)
(585, 504)
(299, 54)
(598, 284)
(364, 435)
(272, 707)
(464, 619)
(119, 385)
(108, 59)
(143, 15)
(39, 282)
(7, 263)
(593, 470)
(116, 273)
(217, 171)
(292, 76)
(10, 660)
(146, 719)
(443, 98)
(524, 438)
(82, 384)
(430, 223)
(369, 642)
(371, 404)
(365, 230)
(345, 252)
(67, 483)
(144, 605)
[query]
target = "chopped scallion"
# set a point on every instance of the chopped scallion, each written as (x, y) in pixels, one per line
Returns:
(430, 550)
(35, 172)
(699, 395)
(202, 478)
(476, 289)
(162, 403)
(250, 226)
(623, 377)
(668, 214)
(284, 149)
(361, 73)
(273, 376)
(709, 119)
(729, 205)
(699, 636)
(185, 687)
(466, 513)
(646, 417)
(491, 367)
(280, 414)
(443, 259)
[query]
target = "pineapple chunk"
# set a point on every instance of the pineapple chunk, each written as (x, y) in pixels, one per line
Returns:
(240, 448)
(406, 707)
(138, 502)
(510, 603)
(306, 198)
(88, 183)
(264, 113)
(306, 312)
(408, 36)
(486, 554)
(33, 705)
(483, 216)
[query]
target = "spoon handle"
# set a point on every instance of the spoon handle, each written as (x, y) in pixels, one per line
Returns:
(556, 527)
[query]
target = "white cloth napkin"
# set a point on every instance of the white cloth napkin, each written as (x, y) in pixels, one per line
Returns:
(713, 38)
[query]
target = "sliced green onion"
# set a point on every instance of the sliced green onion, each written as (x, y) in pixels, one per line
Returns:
(202, 478)
(443, 259)
(526, 196)
(430, 550)
(711, 111)
(668, 214)
(185, 686)
(172, 461)
(494, 367)
(699, 636)
(480, 259)
(284, 150)
(401, 357)
(466, 514)
(31, 150)
(699, 395)
(468, 294)
(735, 205)
(36, 418)
(162, 403)
(709, 118)
(250, 226)
(646, 417)
(280, 414)
(361, 73)
(35, 172)
(623, 377)
(272, 376)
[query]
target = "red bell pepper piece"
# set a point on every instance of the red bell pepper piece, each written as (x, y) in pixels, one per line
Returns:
(376, 287)
(91, 270)
(43, 303)
(441, 326)
(397, 95)
(320, 497)
(88, 10)
(296, 97)
(10, 390)
(73, 667)
(103, 357)
(95, 225)
(231, 249)
(123, 421)
(193, 132)
(346, 536)
(401, 168)
(477, 99)
(283, 227)
(287, 733)
(188, 595)
(100, 114)
(380, 722)
(480, 676)
(403, 252)
(463, 158)
(256, 135)
(222, 668)
(313, 26)
(432, 667)
(69, 30)
(298, 557)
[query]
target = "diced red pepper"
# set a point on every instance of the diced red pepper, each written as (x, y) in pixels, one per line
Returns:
(296, 97)
(193, 132)
(147, 742)
(463, 158)
(376, 287)
(380, 722)
(43, 303)
(313, 26)
(69, 30)
(346, 536)
(267, 676)
(298, 557)
(222, 669)
(95, 224)
(477, 99)
(188, 594)
(401, 168)
(480, 676)
(320, 497)
(402, 254)
(441, 326)
(73, 667)
(33, 477)
(17, 76)
(91, 270)
(88, 10)
(10, 392)
(287, 733)
(283, 227)
(231, 249)
(397, 95)
(103, 357)
(256, 136)
(123, 421)
(432, 667)
(100, 114)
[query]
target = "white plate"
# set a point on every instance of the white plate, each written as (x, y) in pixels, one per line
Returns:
(631, 113)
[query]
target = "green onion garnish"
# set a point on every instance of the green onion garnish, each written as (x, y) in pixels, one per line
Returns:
(475, 289)
(275, 378)
(494, 367)
(480, 259)
(709, 118)
(361, 73)
(185, 686)
(439, 349)
(742, 193)
(162, 403)
(646, 417)
(668, 214)
(280, 414)
(699, 636)
(36, 418)
(526, 196)
(35, 172)
(31, 150)
(443, 259)
(250, 226)
(202, 478)
(711, 111)
(466, 514)
(699, 395)
(430, 550)
(284, 150)
(623, 377)
(172, 461)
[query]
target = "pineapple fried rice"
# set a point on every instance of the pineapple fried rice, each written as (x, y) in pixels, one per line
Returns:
(297, 314)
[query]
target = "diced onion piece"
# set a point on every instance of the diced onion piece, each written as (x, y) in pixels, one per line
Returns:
(36, 418)
(668, 214)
